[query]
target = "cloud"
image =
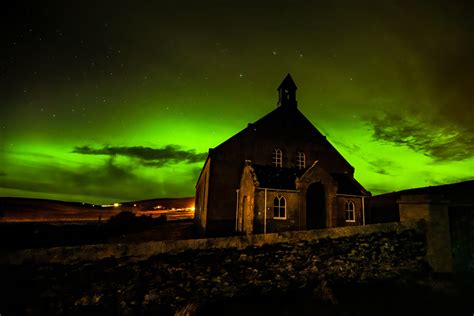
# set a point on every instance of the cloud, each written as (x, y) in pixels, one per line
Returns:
(97, 180)
(104, 183)
(450, 179)
(381, 166)
(350, 148)
(152, 157)
(108, 180)
(440, 140)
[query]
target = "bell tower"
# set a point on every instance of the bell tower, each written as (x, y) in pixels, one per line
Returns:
(287, 93)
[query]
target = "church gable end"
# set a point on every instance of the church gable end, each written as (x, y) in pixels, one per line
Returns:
(284, 138)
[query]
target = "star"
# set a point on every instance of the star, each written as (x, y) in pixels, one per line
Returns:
(164, 57)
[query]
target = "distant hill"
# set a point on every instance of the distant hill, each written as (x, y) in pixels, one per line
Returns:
(165, 203)
(14, 209)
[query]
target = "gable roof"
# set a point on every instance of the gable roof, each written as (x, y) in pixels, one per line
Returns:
(288, 83)
(456, 190)
(276, 178)
(285, 117)
(280, 116)
(285, 179)
(348, 185)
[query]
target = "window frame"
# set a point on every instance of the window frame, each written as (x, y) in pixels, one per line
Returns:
(300, 160)
(278, 205)
(349, 209)
(277, 158)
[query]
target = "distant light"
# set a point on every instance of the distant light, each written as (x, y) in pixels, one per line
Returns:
(135, 205)
(193, 208)
(116, 204)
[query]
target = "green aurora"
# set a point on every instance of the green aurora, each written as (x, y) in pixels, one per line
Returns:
(114, 102)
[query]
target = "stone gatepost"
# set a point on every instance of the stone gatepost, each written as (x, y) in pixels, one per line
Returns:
(434, 210)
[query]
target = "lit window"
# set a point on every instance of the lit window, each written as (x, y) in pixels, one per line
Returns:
(277, 157)
(350, 211)
(279, 207)
(301, 160)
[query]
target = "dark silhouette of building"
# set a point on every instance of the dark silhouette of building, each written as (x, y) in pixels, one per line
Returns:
(448, 212)
(279, 173)
(384, 208)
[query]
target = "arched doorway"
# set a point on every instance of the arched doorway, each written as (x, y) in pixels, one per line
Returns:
(315, 206)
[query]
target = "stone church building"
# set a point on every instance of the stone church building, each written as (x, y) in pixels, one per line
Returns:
(279, 173)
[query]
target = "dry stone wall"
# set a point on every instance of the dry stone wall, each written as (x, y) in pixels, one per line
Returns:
(172, 280)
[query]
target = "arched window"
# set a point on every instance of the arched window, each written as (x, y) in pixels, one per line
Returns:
(350, 211)
(301, 160)
(279, 207)
(277, 157)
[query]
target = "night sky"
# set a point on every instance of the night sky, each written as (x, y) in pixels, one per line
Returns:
(111, 101)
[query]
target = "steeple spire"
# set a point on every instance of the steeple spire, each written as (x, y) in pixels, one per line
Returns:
(287, 92)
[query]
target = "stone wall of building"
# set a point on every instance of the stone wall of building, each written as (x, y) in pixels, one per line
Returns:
(313, 176)
(245, 217)
(340, 214)
(449, 227)
(202, 196)
(293, 218)
(461, 226)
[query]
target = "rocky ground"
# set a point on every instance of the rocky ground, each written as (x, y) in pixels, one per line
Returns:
(344, 276)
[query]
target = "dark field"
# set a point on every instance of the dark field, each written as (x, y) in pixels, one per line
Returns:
(39, 210)
(15, 236)
(36, 223)
(271, 280)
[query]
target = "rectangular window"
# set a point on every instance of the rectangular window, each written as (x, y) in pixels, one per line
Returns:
(277, 158)
(301, 160)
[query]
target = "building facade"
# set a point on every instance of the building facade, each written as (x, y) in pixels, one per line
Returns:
(272, 199)
(281, 164)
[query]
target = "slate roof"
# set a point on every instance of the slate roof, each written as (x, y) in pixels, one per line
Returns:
(285, 179)
(276, 178)
(288, 82)
(451, 190)
(348, 185)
